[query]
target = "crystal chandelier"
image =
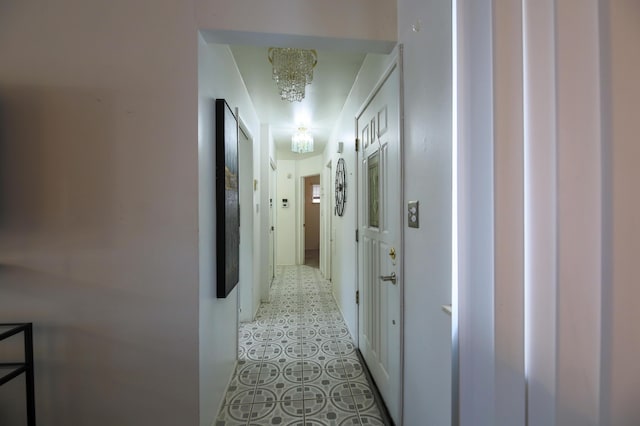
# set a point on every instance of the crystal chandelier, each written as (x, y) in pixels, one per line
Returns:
(302, 141)
(292, 71)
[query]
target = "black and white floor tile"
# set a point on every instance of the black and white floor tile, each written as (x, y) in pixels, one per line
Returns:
(297, 362)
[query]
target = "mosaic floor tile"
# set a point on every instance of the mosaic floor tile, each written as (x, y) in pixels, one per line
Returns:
(360, 386)
(323, 381)
(297, 364)
(234, 415)
(248, 380)
(365, 403)
(350, 421)
(309, 349)
(277, 413)
(242, 397)
(282, 390)
(366, 419)
(353, 369)
(340, 390)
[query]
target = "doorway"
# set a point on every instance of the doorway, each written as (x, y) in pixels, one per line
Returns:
(380, 238)
(311, 225)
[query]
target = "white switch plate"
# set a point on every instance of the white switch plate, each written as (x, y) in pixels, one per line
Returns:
(413, 214)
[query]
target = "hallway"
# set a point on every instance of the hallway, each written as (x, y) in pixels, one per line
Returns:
(297, 362)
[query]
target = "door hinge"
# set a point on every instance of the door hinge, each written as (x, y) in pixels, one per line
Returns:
(357, 236)
(357, 144)
(357, 297)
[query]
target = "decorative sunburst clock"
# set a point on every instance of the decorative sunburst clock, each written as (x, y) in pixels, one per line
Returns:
(341, 187)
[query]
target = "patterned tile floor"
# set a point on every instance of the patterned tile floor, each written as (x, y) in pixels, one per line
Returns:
(297, 362)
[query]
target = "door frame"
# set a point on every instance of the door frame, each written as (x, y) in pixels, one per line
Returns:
(326, 235)
(246, 212)
(300, 213)
(396, 62)
(272, 220)
(302, 219)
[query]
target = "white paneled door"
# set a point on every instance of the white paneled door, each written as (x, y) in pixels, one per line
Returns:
(379, 225)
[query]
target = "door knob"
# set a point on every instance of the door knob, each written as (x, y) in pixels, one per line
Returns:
(391, 277)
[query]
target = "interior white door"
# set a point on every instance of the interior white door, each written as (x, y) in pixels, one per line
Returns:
(379, 245)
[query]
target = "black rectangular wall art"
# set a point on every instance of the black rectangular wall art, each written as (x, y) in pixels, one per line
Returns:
(227, 200)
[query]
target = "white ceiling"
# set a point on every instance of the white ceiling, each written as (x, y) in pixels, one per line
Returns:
(333, 77)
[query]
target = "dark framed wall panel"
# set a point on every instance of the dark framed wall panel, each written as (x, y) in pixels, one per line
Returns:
(227, 200)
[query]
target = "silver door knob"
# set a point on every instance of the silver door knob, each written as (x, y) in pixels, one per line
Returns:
(391, 277)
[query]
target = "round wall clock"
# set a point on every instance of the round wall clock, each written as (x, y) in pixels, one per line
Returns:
(341, 187)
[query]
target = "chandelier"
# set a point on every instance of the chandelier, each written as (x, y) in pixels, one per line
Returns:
(302, 141)
(292, 70)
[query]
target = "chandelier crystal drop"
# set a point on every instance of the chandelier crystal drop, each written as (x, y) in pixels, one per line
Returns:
(292, 71)
(302, 141)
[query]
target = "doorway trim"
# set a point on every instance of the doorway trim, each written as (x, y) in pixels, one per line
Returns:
(326, 235)
(272, 254)
(246, 213)
(300, 217)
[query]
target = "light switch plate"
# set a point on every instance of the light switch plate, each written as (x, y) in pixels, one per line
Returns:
(413, 214)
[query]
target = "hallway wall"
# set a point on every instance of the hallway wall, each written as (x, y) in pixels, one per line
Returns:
(218, 77)
(424, 27)
(317, 22)
(286, 216)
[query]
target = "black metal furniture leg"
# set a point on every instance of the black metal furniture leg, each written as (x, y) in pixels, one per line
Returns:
(29, 377)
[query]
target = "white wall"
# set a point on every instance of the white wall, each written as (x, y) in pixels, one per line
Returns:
(99, 222)
(218, 77)
(310, 21)
(309, 166)
(473, 309)
(427, 160)
(286, 216)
